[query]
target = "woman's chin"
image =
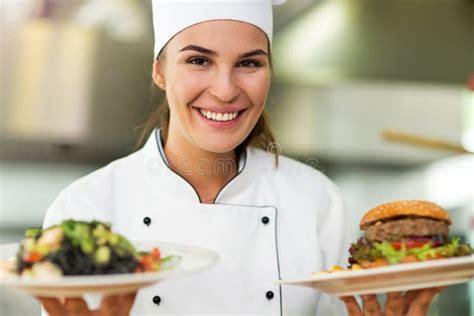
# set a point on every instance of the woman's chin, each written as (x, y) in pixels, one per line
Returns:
(219, 146)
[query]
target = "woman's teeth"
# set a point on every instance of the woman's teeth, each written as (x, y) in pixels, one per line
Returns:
(220, 117)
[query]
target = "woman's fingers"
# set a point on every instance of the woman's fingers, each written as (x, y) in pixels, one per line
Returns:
(116, 305)
(408, 299)
(421, 303)
(127, 303)
(394, 304)
(52, 305)
(371, 305)
(110, 305)
(76, 306)
(413, 303)
(353, 308)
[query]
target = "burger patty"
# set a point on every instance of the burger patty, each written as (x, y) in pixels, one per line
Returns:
(398, 228)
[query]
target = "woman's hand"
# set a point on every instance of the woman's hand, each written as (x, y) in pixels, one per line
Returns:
(119, 305)
(413, 303)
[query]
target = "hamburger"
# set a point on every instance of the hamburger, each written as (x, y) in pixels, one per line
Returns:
(405, 231)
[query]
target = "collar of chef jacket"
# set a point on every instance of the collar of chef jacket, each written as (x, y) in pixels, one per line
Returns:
(158, 169)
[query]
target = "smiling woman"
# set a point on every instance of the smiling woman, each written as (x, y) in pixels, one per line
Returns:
(216, 90)
(202, 177)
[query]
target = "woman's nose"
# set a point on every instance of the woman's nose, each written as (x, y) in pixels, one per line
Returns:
(224, 87)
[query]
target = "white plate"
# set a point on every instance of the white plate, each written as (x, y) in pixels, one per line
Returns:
(193, 260)
(401, 277)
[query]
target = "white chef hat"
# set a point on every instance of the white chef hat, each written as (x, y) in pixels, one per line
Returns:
(172, 16)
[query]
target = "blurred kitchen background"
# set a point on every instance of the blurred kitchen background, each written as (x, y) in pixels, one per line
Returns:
(378, 95)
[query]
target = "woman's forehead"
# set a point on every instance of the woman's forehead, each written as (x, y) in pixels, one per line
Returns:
(221, 34)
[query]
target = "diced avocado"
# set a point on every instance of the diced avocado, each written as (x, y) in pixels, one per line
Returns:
(87, 245)
(113, 239)
(33, 232)
(102, 255)
(101, 234)
(31, 246)
(75, 231)
(96, 223)
(42, 249)
(100, 230)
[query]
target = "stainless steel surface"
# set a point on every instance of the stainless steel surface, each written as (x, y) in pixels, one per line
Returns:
(424, 41)
(344, 122)
(72, 89)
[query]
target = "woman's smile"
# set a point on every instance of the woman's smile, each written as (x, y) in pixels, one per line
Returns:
(224, 118)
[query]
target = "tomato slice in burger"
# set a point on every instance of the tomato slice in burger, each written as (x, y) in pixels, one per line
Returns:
(397, 245)
(416, 242)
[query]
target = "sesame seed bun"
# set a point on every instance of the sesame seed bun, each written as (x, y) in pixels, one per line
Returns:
(404, 208)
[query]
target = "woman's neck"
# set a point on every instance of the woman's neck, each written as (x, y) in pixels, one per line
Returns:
(207, 172)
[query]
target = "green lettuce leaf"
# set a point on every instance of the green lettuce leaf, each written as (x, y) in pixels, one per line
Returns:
(388, 252)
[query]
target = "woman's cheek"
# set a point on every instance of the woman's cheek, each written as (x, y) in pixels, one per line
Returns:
(191, 86)
(257, 86)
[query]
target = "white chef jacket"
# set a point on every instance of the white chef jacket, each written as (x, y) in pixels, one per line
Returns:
(267, 223)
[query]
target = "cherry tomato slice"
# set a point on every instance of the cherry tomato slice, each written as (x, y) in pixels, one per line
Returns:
(33, 257)
(155, 253)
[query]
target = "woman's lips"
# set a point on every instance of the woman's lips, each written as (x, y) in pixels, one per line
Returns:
(217, 118)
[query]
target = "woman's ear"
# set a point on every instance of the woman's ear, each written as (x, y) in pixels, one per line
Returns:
(158, 75)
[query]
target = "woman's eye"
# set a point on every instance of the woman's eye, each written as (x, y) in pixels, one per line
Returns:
(200, 61)
(250, 64)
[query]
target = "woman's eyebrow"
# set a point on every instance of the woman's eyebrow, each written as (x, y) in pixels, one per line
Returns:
(199, 49)
(254, 53)
(204, 50)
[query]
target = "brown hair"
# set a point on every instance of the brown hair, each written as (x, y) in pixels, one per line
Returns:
(261, 135)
